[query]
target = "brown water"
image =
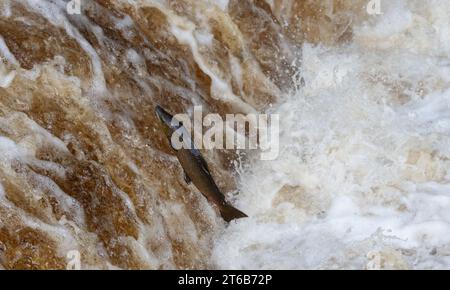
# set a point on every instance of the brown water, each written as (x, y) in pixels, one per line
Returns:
(85, 165)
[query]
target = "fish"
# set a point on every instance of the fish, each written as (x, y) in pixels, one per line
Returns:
(195, 168)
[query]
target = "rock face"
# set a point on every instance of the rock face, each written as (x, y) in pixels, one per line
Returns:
(84, 165)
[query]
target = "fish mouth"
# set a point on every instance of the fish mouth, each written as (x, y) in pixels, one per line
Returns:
(163, 115)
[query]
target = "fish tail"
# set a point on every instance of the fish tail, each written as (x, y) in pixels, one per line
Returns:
(230, 213)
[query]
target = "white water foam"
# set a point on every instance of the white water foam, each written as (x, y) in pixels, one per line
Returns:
(362, 180)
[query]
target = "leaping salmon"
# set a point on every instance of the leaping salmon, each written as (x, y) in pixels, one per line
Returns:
(196, 169)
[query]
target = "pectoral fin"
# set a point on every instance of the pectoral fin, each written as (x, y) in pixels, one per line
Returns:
(187, 178)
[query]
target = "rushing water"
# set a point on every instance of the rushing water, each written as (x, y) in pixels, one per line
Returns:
(362, 179)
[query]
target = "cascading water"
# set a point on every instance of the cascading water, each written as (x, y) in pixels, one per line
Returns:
(361, 180)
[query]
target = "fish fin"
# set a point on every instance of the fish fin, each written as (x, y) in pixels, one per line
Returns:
(229, 213)
(202, 162)
(187, 178)
(205, 169)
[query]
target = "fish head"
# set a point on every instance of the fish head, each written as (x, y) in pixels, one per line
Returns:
(163, 115)
(171, 123)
